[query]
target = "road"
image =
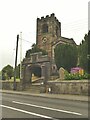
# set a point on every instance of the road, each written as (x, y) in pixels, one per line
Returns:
(21, 106)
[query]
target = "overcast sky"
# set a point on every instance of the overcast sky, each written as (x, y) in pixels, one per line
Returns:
(20, 16)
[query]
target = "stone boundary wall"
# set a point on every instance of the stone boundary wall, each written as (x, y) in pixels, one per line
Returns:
(10, 85)
(76, 87)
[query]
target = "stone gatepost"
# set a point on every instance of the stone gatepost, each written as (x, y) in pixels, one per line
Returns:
(26, 76)
(62, 73)
(43, 73)
(22, 80)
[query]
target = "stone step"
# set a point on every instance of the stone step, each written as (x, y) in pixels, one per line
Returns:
(39, 80)
(36, 89)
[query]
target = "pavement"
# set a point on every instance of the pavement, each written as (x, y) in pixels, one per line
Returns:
(49, 95)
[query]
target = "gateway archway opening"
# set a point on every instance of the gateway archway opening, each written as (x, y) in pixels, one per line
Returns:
(36, 71)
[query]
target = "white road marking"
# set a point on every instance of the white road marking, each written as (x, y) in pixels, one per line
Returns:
(47, 108)
(27, 112)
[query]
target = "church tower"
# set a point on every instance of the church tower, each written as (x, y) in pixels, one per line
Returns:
(48, 32)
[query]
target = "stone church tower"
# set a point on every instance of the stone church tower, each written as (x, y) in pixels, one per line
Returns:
(48, 36)
(48, 31)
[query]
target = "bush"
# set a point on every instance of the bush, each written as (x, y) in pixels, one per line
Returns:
(69, 76)
(89, 76)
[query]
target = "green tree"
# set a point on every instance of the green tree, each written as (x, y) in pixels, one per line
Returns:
(33, 50)
(7, 72)
(66, 56)
(83, 51)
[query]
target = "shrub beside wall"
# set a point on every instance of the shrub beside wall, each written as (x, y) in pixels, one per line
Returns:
(70, 76)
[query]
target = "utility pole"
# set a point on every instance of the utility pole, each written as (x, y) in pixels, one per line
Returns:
(88, 53)
(20, 55)
(14, 85)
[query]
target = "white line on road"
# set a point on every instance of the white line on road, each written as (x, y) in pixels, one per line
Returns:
(27, 112)
(47, 108)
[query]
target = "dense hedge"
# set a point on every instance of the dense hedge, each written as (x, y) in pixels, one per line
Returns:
(69, 76)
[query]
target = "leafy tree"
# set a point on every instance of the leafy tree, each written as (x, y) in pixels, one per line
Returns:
(33, 50)
(66, 56)
(7, 72)
(83, 51)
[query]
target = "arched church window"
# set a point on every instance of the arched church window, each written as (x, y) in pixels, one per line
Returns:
(45, 28)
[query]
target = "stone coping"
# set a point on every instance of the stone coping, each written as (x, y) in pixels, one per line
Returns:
(68, 81)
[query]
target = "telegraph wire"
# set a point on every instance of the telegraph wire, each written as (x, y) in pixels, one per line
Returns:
(26, 41)
(79, 28)
(77, 22)
(76, 26)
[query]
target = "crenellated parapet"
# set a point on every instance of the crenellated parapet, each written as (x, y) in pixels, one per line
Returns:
(49, 18)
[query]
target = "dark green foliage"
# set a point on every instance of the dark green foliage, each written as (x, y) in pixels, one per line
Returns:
(33, 50)
(7, 72)
(66, 56)
(83, 51)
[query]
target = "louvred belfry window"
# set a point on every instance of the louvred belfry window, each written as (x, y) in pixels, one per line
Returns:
(45, 28)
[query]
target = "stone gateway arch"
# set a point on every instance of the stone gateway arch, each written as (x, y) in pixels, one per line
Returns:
(38, 61)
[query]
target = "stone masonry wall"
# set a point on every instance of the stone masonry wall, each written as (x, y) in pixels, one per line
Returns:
(9, 85)
(78, 87)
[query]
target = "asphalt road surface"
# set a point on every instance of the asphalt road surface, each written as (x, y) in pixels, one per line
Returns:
(21, 106)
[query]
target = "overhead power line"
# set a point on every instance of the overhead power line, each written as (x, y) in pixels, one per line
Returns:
(81, 21)
(26, 41)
